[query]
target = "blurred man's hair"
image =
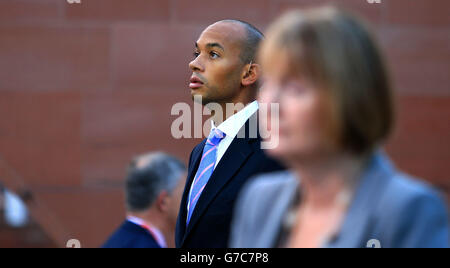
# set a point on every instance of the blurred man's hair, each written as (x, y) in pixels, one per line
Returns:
(149, 175)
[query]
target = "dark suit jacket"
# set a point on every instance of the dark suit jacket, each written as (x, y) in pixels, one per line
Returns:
(130, 235)
(210, 223)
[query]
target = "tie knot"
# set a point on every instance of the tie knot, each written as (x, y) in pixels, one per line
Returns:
(215, 136)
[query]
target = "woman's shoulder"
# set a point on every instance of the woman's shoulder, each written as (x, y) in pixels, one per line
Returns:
(405, 190)
(269, 184)
(268, 194)
(412, 213)
(260, 209)
(395, 187)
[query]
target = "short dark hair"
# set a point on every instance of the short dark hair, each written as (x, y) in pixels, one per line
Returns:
(144, 183)
(251, 43)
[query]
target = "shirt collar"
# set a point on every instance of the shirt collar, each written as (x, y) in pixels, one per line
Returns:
(157, 235)
(234, 123)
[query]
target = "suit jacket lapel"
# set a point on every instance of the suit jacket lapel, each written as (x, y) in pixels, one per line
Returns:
(233, 159)
(196, 156)
(358, 220)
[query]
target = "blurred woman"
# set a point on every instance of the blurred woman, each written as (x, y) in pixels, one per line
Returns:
(336, 109)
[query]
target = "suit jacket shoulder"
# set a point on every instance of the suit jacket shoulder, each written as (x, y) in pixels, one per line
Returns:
(261, 208)
(129, 235)
(391, 207)
(411, 214)
(397, 210)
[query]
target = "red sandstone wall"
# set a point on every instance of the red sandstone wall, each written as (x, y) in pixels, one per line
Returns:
(84, 87)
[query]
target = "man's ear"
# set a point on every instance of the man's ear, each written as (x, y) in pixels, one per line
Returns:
(163, 201)
(251, 74)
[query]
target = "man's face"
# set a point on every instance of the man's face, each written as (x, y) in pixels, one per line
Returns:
(217, 67)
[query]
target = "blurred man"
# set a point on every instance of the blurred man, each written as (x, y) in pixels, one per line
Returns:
(154, 186)
(224, 71)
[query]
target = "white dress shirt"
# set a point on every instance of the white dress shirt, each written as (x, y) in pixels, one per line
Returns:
(231, 128)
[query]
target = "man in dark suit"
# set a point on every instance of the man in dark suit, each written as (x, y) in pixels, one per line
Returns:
(153, 192)
(224, 72)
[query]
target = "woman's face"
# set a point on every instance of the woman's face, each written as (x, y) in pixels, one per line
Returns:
(304, 119)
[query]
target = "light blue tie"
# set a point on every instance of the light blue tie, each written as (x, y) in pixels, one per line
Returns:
(205, 169)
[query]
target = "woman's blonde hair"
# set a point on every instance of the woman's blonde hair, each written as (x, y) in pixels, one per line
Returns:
(335, 51)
